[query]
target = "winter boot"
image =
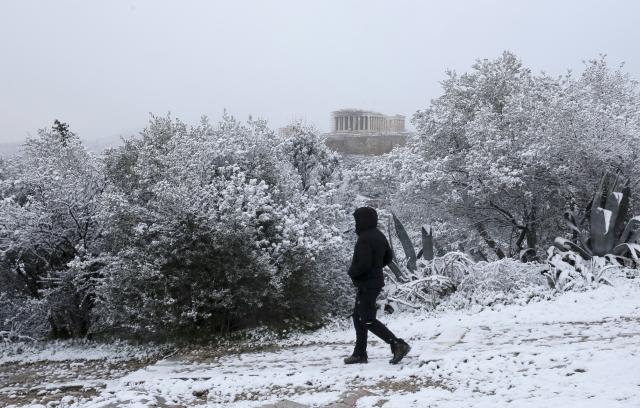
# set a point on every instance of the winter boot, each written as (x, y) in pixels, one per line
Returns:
(399, 349)
(356, 359)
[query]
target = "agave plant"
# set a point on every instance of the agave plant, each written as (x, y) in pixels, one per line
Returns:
(426, 252)
(607, 242)
(568, 270)
(609, 234)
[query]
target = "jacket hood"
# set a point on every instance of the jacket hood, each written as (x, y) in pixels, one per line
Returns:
(366, 218)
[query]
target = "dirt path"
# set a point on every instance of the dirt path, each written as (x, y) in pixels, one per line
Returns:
(582, 349)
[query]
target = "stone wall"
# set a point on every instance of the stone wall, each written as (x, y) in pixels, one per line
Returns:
(364, 144)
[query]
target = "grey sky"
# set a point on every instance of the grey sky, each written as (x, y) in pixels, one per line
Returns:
(102, 66)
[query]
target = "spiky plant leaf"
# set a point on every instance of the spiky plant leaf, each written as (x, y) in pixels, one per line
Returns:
(390, 238)
(407, 245)
(574, 226)
(397, 272)
(613, 204)
(427, 242)
(623, 211)
(630, 231)
(566, 245)
(600, 224)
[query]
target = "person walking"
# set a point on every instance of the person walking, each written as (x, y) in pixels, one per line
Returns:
(371, 253)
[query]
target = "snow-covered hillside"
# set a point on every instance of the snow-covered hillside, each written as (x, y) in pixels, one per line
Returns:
(579, 349)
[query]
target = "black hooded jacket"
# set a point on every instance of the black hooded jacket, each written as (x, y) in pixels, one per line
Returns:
(372, 251)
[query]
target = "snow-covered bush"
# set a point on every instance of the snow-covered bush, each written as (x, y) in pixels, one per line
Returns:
(429, 282)
(568, 270)
(505, 281)
(454, 280)
(217, 228)
(306, 152)
(22, 317)
(183, 230)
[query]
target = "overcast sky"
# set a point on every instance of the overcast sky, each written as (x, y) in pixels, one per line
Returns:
(102, 66)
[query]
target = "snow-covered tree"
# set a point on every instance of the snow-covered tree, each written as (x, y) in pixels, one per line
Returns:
(503, 153)
(307, 152)
(48, 218)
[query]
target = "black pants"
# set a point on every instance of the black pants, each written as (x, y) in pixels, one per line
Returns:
(364, 320)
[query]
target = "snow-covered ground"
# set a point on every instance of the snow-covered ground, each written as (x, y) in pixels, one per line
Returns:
(579, 349)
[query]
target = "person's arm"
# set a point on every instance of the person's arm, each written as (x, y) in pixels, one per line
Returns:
(362, 259)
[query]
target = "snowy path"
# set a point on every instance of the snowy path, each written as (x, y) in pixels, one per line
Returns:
(581, 348)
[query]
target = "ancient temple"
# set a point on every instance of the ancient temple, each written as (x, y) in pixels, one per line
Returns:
(360, 121)
(361, 132)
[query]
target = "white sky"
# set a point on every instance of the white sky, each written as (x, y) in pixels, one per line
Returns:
(102, 66)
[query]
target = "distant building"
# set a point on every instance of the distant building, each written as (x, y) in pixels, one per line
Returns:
(360, 121)
(363, 132)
